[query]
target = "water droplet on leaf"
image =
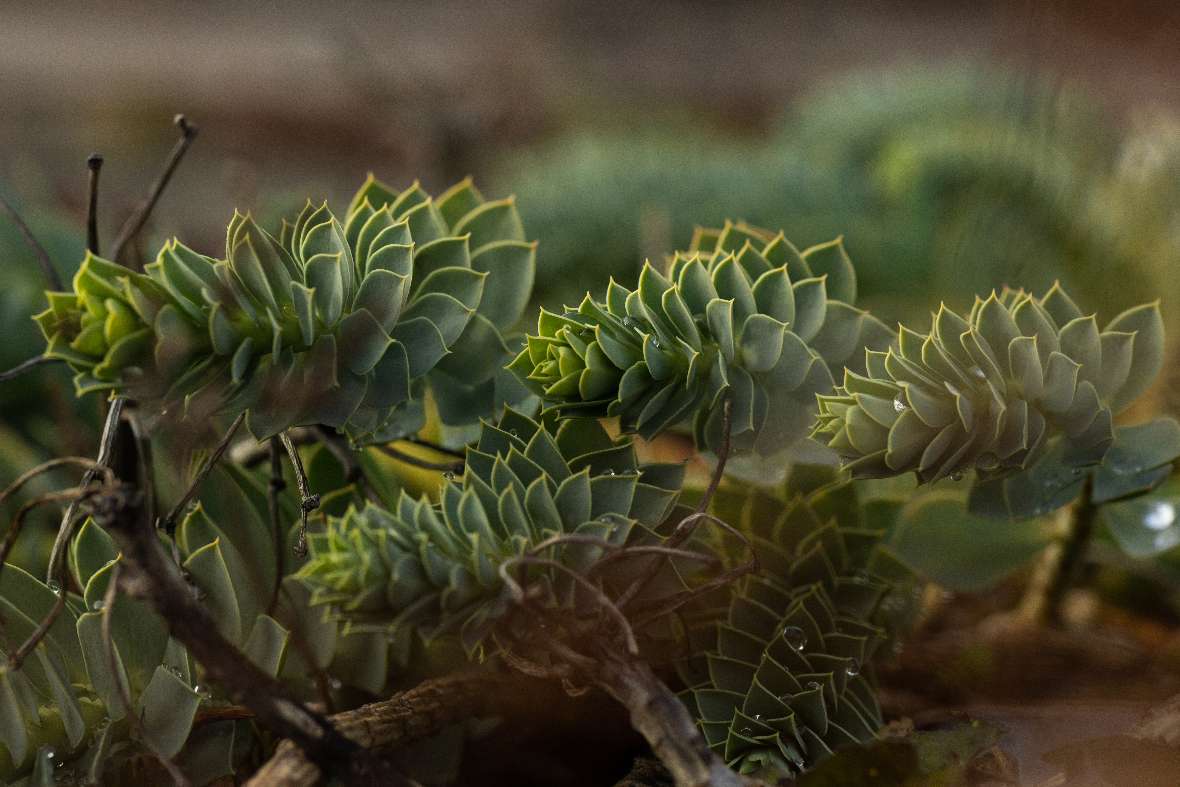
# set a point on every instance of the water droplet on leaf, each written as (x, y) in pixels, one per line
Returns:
(54, 586)
(853, 669)
(449, 476)
(899, 404)
(98, 605)
(795, 637)
(1160, 516)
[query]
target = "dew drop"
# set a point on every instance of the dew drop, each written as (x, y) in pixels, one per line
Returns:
(899, 404)
(336, 684)
(449, 476)
(514, 433)
(795, 637)
(977, 373)
(1160, 516)
(814, 685)
(957, 475)
(853, 669)
(629, 322)
(757, 717)
(202, 691)
(54, 586)
(97, 605)
(609, 471)
(747, 730)
(655, 343)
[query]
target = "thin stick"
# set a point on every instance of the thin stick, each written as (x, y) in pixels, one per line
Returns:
(135, 222)
(309, 502)
(68, 520)
(145, 468)
(595, 592)
(20, 654)
(169, 522)
(52, 277)
(687, 525)
(18, 521)
(353, 472)
(274, 488)
(24, 366)
(94, 163)
(53, 464)
(424, 464)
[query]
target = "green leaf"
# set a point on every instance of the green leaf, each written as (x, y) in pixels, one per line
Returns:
(939, 538)
(267, 644)
(166, 709)
(1146, 525)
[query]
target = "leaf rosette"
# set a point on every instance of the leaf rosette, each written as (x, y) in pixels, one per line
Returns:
(786, 674)
(990, 391)
(432, 570)
(335, 323)
(742, 313)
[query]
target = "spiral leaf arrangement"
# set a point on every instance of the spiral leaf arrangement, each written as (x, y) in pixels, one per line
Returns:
(741, 313)
(989, 391)
(334, 323)
(786, 675)
(436, 569)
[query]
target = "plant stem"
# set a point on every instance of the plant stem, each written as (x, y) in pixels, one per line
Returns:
(412, 715)
(94, 164)
(665, 722)
(135, 222)
(1060, 563)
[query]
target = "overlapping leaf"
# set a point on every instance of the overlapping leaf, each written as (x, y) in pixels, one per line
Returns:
(436, 569)
(785, 676)
(335, 323)
(991, 391)
(741, 314)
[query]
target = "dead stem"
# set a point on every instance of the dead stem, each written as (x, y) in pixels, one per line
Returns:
(135, 222)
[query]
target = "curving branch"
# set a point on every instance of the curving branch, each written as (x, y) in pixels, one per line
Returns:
(150, 575)
(52, 277)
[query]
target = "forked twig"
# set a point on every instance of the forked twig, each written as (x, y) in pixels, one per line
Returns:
(135, 221)
(168, 523)
(53, 464)
(602, 600)
(68, 520)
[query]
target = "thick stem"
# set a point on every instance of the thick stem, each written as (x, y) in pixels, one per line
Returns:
(666, 724)
(1060, 563)
(412, 716)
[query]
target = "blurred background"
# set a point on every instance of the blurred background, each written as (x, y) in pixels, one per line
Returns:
(956, 146)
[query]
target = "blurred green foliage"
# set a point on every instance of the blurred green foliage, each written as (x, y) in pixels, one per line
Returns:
(945, 181)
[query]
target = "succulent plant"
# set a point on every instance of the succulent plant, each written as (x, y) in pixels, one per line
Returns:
(785, 676)
(63, 707)
(741, 313)
(435, 569)
(336, 323)
(989, 391)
